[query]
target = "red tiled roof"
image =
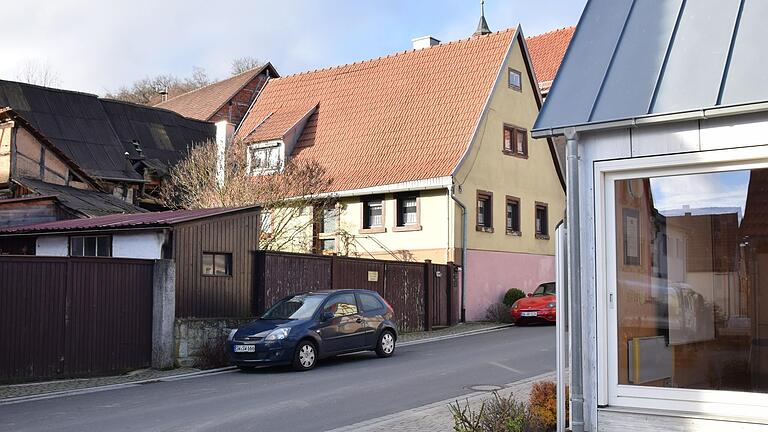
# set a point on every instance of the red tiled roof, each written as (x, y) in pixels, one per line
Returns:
(123, 220)
(403, 117)
(547, 51)
(204, 102)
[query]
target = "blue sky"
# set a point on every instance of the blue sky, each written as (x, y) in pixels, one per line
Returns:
(701, 191)
(96, 46)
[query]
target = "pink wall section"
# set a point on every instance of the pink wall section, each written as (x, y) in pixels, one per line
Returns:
(491, 274)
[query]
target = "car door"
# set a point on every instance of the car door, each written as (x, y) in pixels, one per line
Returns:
(345, 331)
(373, 311)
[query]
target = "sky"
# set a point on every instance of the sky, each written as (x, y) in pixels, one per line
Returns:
(98, 45)
(701, 191)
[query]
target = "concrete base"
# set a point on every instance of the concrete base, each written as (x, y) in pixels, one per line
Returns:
(163, 313)
(191, 334)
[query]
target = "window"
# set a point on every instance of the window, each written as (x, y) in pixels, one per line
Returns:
(217, 264)
(515, 141)
(329, 221)
(542, 221)
(328, 246)
(407, 210)
(515, 80)
(266, 222)
(90, 246)
(685, 248)
(484, 211)
(342, 305)
(370, 302)
(373, 213)
(264, 158)
(513, 215)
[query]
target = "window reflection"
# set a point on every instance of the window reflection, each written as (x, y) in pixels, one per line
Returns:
(692, 277)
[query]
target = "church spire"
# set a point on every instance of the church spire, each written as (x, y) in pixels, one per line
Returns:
(482, 26)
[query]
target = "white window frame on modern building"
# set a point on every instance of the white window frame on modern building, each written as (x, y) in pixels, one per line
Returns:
(731, 404)
(270, 152)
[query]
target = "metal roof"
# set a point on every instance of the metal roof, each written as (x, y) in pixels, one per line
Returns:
(639, 58)
(86, 202)
(122, 221)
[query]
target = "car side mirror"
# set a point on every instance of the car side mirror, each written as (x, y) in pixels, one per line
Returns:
(529, 295)
(326, 316)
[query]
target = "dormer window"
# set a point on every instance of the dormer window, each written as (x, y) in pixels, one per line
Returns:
(265, 158)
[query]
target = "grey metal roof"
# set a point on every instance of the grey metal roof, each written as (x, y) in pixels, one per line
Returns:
(635, 58)
(89, 203)
(95, 133)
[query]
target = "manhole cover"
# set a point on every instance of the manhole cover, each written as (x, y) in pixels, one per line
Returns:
(485, 387)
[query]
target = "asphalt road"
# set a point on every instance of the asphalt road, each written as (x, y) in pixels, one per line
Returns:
(339, 392)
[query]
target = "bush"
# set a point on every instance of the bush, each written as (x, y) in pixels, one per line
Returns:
(500, 414)
(498, 312)
(212, 353)
(512, 296)
(543, 403)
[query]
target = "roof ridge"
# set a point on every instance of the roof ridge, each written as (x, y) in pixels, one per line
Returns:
(259, 68)
(552, 31)
(56, 89)
(395, 54)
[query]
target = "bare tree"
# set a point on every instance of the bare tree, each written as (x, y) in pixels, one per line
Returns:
(146, 90)
(243, 64)
(291, 197)
(39, 73)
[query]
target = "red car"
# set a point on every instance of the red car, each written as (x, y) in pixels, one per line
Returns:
(539, 306)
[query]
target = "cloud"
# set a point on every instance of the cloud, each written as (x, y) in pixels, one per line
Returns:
(97, 46)
(727, 189)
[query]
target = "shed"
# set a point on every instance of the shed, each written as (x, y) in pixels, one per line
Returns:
(664, 107)
(212, 249)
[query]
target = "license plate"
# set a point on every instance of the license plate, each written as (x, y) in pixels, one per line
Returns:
(245, 348)
(529, 314)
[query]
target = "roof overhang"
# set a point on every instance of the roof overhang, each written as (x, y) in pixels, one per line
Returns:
(655, 119)
(409, 186)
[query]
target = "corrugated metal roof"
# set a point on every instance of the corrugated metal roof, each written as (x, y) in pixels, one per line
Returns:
(138, 220)
(634, 58)
(87, 202)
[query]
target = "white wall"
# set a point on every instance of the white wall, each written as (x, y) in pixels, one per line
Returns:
(52, 246)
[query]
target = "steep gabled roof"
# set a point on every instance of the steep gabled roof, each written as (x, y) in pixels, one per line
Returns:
(547, 51)
(206, 101)
(404, 117)
(96, 133)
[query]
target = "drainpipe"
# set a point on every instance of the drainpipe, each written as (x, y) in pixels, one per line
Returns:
(574, 278)
(463, 251)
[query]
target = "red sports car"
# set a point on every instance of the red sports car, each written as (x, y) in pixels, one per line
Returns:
(539, 306)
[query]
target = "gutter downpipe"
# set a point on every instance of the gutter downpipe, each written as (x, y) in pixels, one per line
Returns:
(463, 250)
(574, 278)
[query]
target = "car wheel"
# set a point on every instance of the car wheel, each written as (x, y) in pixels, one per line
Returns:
(305, 357)
(386, 345)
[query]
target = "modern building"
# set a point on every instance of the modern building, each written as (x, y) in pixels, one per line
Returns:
(431, 158)
(664, 107)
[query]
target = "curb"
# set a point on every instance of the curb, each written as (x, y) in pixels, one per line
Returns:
(227, 369)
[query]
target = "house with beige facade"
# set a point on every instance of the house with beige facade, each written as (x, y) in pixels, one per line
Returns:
(431, 159)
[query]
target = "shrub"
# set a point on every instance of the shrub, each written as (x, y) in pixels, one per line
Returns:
(212, 353)
(499, 414)
(543, 403)
(512, 296)
(498, 312)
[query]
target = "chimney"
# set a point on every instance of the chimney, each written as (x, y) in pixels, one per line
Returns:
(424, 42)
(163, 92)
(224, 132)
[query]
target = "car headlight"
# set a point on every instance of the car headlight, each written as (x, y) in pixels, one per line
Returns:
(551, 305)
(515, 304)
(278, 334)
(231, 334)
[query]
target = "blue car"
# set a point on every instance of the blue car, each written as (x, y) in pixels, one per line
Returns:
(303, 328)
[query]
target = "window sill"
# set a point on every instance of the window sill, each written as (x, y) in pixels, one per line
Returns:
(542, 236)
(484, 229)
(515, 154)
(515, 233)
(374, 230)
(406, 228)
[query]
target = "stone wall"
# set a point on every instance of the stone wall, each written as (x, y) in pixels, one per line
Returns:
(191, 334)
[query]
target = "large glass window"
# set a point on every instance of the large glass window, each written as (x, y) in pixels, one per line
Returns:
(692, 281)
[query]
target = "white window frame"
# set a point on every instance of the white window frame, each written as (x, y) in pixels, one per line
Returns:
(731, 404)
(271, 146)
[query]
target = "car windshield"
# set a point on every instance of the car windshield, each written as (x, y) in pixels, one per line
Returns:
(545, 289)
(293, 308)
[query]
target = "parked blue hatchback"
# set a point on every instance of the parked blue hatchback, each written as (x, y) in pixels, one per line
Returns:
(303, 328)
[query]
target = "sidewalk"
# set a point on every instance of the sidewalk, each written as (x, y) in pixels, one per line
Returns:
(16, 392)
(437, 417)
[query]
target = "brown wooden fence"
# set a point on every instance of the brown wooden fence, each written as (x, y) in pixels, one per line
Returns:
(69, 317)
(423, 295)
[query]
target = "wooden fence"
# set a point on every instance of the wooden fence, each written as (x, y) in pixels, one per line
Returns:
(69, 317)
(423, 295)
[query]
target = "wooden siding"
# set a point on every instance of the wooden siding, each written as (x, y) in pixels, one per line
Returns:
(215, 296)
(31, 211)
